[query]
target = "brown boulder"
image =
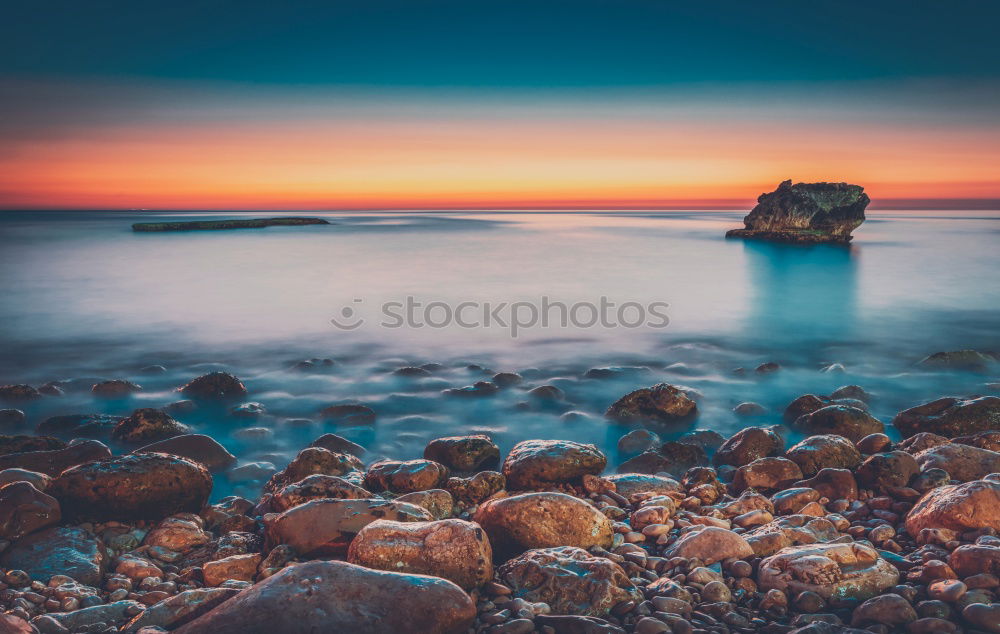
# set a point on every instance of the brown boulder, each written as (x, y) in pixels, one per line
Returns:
(842, 420)
(823, 451)
(235, 567)
(136, 486)
(673, 458)
(850, 570)
(887, 470)
(950, 417)
(834, 484)
(477, 488)
(452, 549)
(179, 533)
(542, 520)
(437, 502)
(348, 414)
(215, 386)
(962, 462)
(177, 610)
(313, 460)
(920, 441)
(333, 442)
(59, 550)
(22, 444)
(791, 530)
(748, 445)
(661, 403)
(197, 447)
(541, 463)
(960, 507)
(115, 388)
(335, 596)
(570, 580)
(632, 484)
(405, 476)
(18, 393)
(464, 453)
(766, 474)
(975, 559)
(710, 544)
(984, 440)
(326, 526)
(24, 509)
(55, 461)
(313, 487)
(805, 404)
(147, 425)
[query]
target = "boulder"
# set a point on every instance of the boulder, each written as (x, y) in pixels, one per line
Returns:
(748, 445)
(348, 414)
(464, 453)
(673, 458)
(136, 486)
(889, 609)
(83, 620)
(850, 570)
(766, 474)
(241, 567)
(570, 580)
(542, 520)
(313, 487)
(335, 596)
(632, 484)
(18, 393)
(968, 360)
(984, 440)
(12, 417)
(196, 447)
(834, 484)
(24, 509)
(962, 462)
(438, 502)
(452, 549)
(710, 544)
(961, 507)
(805, 404)
(405, 476)
(842, 420)
(975, 559)
(54, 461)
(177, 610)
(824, 451)
(806, 213)
(887, 470)
(99, 426)
(60, 550)
(333, 442)
(542, 463)
(215, 386)
(950, 417)
(662, 403)
(147, 425)
(179, 533)
(326, 526)
(38, 480)
(22, 444)
(477, 488)
(312, 460)
(791, 530)
(637, 441)
(115, 388)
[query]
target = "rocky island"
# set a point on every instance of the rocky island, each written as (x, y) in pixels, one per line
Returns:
(806, 213)
(213, 225)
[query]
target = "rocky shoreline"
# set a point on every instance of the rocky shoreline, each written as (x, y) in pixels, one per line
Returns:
(842, 531)
(217, 225)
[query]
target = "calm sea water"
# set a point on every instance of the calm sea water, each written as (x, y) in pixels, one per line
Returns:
(85, 298)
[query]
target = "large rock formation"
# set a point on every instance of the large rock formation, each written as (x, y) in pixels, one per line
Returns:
(806, 212)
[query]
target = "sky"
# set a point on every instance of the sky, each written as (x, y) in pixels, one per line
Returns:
(406, 104)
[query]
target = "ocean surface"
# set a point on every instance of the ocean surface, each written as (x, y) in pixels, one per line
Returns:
(84, 298)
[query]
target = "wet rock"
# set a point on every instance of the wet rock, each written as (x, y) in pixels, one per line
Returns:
(889, 609)
(662, 403)
(805, 404)
(962, 462)
(834, 484)
(181, 608)
(61, 550)
(38, 480)
(873, 443)
(768, 367)
(451, 549)
(215, 386)
(313, 460)
(251, 472)
(950, 417)
(824, 451)
(479, 389)
(148, 425)
(314, 487)
(710, 544)
(334, 596)
(11, 417)
(24, 509)
(464, 453)
(110, 614)
(806, 213)
(792, 530)
(981, 615)
(326, 526)
(179, 533)
(673, 458)
(438, 502)
(975, 559)
(137, 568)
(137, 486)
(961, 507)
(55, 461)
(405, 476)
(541, 463)
(920, 441)
(706, 439)
(235, 567)
(18, 393)
(477, 488)
(852, 391)
(11, 624)
(748, 445)
(22, 443)
(984, 440)
(887, 470)
(333, 442)
(573, 624)
(850, 422)
(100, 426)
(542, 520)
(629, 485)
(569, 580)
(117, 388)
(792, 500)
(968, 360)
(749, 409)
(638, 441)
(766, 474)
(248, 410)
(197, 447)
(546, 393)
(850, 570)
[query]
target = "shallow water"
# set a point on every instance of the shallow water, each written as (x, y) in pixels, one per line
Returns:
(85, 298)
